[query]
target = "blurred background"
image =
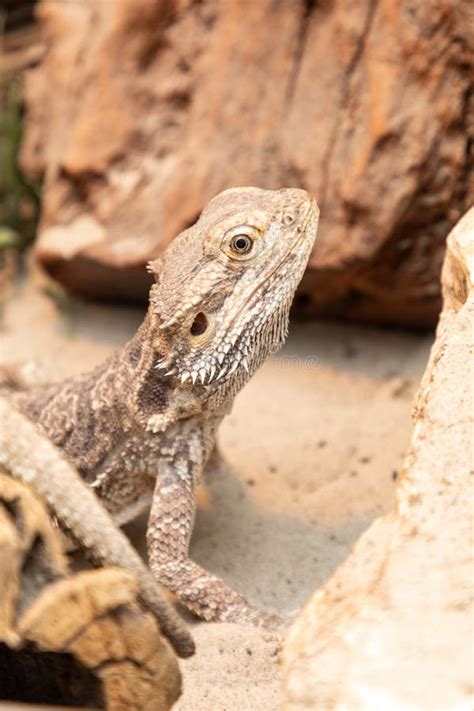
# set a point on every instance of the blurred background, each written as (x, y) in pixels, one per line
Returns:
(120, 120)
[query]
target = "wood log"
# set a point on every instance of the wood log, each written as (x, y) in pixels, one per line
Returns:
(365, 104)
(72, 638)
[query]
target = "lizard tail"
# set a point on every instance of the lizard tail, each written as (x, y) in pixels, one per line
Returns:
(31, 457)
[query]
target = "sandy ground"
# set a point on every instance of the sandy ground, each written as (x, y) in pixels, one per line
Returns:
(307, 459)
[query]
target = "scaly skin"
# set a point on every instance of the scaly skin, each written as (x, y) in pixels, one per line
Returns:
(31, 457)
(140, 427)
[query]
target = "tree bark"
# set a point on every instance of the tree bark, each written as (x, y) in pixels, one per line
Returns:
(142, 110)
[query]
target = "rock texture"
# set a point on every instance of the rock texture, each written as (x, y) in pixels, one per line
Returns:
(72, 638)
(393, 627)
(143, 109)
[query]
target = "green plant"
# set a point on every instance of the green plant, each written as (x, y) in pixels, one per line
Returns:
(19, 195)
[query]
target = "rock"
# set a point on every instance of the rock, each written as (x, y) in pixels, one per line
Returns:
(142, 110)
(72, 638)
(393, 627)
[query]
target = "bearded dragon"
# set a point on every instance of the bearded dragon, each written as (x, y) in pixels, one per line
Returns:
(140, 427)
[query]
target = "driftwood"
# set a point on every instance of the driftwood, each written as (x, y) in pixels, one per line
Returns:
(72, 638)
(365, 104)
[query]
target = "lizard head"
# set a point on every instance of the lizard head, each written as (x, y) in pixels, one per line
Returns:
(225, 285)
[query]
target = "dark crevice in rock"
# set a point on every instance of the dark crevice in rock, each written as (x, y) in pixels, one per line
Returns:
(299, 51)
(344, 100)
(37, 573)
(13, 508)
(359, 51)
(31, 676)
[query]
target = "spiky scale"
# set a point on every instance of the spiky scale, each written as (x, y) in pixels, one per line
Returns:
(233, 367)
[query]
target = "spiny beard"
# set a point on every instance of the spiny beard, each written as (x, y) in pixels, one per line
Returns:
(260, 331)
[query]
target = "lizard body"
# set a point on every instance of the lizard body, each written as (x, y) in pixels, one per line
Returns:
(140, 427)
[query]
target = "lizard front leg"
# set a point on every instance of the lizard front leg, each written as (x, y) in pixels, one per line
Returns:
(29, 456)
(168, 536)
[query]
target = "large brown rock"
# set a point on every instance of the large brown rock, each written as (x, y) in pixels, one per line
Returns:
(143, 109)
(393, 628)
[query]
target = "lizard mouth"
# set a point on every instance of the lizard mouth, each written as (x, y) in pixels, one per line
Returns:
(242, 353)
(294, 246)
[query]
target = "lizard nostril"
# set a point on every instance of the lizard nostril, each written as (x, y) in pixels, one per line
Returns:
(288, 218)
(199, 325)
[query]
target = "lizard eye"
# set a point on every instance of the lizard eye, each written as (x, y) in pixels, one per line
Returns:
(241, 244)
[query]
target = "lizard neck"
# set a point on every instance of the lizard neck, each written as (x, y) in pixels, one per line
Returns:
(155, 400)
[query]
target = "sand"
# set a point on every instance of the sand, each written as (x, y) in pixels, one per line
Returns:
(306, 460)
